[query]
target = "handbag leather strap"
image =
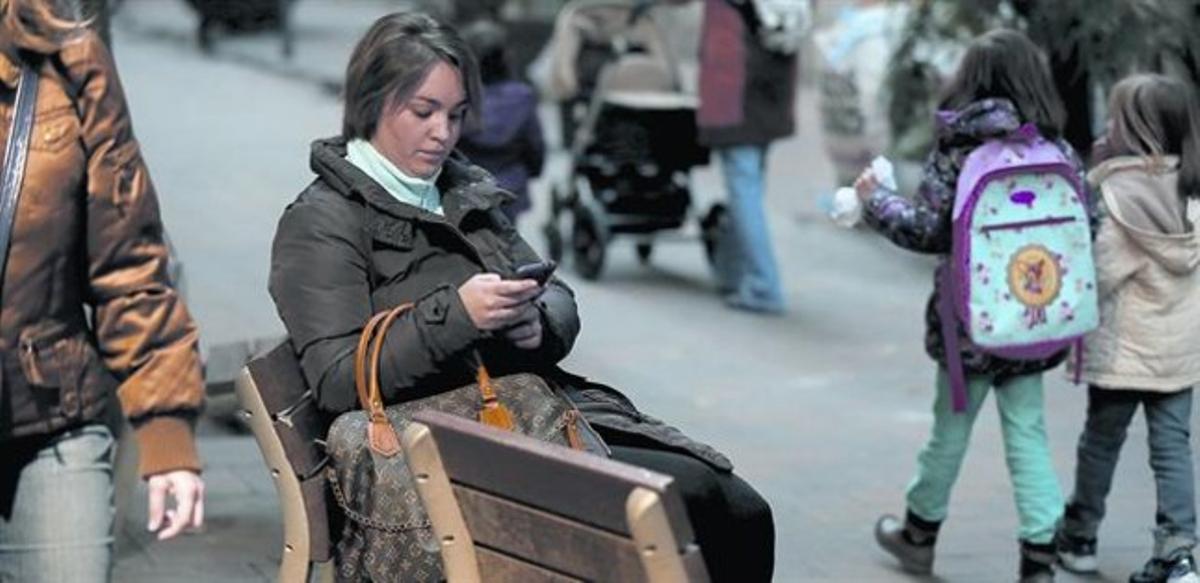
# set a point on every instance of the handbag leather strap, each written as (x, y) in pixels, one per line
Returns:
(381, 435)
(361, 386)
(16, 152)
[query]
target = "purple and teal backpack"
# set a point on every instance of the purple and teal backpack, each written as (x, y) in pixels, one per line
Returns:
(1020, 276)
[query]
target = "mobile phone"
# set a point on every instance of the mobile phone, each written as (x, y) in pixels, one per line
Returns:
(539, 271)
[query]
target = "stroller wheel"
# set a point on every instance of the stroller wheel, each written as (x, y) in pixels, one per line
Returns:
(644, 250)
(554, 240)
(587, 246)
(714, 226)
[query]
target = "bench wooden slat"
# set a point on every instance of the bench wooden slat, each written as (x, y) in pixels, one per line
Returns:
(589, 489)
(503, 503)
(501, 568)
(273, 384)
(562, 545)
(277, 374)
(298, 432)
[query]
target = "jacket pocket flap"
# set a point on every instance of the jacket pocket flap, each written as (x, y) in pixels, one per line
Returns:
(45, 349)
(391, 231)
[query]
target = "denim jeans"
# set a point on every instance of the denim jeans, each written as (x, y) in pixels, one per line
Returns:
(753, 276)
(1168, 418)
(56, 513)
(1022, 424)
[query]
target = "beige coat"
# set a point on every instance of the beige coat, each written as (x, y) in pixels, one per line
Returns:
(1147, 253)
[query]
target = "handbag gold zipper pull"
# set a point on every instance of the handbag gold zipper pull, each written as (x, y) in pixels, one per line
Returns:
(572, 428)
(494, 412)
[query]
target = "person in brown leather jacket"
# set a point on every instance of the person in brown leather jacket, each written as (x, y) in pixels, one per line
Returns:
(86, 310)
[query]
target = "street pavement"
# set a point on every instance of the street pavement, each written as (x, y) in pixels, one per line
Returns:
(823, 410)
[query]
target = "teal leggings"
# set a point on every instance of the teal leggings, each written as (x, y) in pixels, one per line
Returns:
(1035, 485)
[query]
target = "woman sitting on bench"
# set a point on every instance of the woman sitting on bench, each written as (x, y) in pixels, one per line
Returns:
(395, 215)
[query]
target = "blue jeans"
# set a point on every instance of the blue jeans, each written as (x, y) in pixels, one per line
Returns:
(1168, 418)
(1022, 423)
(56, 512)
(753, 275)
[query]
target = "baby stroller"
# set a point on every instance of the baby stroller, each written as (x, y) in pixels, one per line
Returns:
(243, 16)
(631, 131)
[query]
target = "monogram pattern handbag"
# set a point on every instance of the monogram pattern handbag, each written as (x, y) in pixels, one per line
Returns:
(386, 535)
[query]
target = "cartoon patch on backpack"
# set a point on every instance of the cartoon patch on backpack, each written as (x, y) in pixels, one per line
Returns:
(1034, 280)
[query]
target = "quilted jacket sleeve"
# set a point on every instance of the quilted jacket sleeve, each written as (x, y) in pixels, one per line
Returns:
(145, 334)
(560, 313)
(922, 223)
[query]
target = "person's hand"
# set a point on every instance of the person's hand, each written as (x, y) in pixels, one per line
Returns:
(527, 332)
(494, 303)
(187, 488)
(865, 185)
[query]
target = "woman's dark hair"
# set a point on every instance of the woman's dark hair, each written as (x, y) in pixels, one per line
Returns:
(1004, 63)
(487, 40)
(1154, 116)
(392, 60)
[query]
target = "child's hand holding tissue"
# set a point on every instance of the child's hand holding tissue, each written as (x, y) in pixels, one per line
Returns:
(847, 202)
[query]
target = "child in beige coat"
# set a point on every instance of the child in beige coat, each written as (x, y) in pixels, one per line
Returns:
(1147, 349)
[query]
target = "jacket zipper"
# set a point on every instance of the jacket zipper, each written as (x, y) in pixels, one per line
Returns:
(30, 360)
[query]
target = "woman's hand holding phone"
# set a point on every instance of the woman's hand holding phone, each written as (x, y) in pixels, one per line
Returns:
(539, 271)
(526, 331)
(497, 304)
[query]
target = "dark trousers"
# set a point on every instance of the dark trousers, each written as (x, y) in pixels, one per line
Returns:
(732, 522)
(1168, 419)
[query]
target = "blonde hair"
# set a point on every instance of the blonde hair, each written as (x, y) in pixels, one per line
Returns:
(41, 25)
(1154, 116)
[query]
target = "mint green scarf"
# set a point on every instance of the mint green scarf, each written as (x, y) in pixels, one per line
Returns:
(417, 192)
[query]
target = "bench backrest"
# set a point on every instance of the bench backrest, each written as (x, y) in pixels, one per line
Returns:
(289, 428)
(510, 508)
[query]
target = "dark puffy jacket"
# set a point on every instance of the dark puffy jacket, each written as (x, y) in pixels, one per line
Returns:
(88, 235)
(510, 144)
(346, 249)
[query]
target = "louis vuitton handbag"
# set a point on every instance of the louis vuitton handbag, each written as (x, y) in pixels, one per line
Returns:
(386, 535)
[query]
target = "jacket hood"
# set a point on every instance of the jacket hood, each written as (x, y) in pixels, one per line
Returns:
(464, 186)
(506, 107)
(978, 121)
(1142, 198)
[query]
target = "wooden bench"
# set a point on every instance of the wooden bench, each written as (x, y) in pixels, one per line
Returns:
(289, 428)
(508, 508)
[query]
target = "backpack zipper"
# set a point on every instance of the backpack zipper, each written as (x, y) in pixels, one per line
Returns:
(987, 229)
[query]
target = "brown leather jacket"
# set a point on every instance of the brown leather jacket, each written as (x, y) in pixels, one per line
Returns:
(86, 304)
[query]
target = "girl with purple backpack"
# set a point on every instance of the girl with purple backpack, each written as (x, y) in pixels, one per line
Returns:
(1146, 349)
(1001, 87)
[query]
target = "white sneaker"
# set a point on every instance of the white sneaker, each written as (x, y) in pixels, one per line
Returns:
(1182, 570)
(1077, 555)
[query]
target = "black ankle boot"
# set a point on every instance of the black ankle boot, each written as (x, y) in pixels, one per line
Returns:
(910, 541)
(1037, 562)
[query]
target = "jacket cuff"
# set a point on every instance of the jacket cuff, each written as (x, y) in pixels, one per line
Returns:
(166, 443)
